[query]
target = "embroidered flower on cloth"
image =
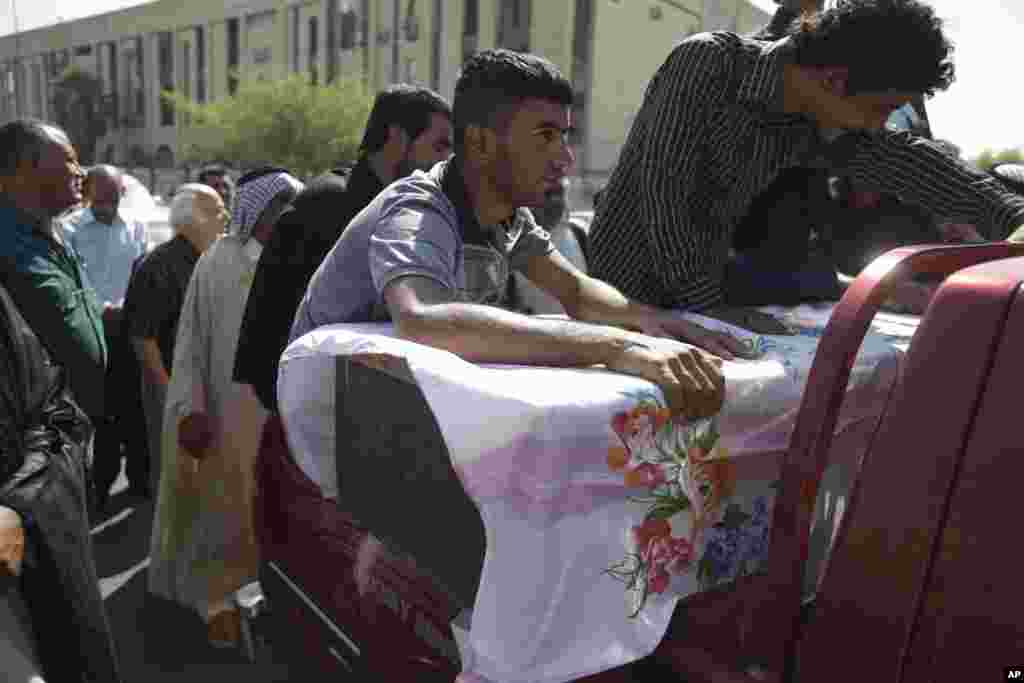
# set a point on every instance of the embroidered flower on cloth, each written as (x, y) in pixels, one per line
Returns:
(687, 482)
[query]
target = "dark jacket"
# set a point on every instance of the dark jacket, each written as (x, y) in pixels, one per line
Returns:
(46, 280)
(302, 237)
(43, 477)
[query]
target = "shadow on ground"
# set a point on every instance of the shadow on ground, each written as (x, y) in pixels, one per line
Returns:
(159, 641)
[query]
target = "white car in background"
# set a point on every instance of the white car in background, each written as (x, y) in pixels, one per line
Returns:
(154, 213)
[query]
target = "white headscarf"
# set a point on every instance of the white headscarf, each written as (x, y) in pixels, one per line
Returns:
(252, 198)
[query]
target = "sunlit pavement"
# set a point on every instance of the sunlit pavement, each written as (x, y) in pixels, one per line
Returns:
(158, 641)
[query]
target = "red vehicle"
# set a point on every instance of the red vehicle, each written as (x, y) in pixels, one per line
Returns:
(919, 584)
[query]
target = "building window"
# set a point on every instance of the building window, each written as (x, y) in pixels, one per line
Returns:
(314, 49)
(37, 90)
(113, 101)
(164, 157)
(186, 69)
(333, 29)
(435, 45)
(349, 29)
(470, 28)
(200, 64)
(165, 72)
(296, 36)
(83, 50)
(137, 157)
(582, 40)
(411, 24)
(133, 83)
(471, 20)
(514, 25)
(233, 53)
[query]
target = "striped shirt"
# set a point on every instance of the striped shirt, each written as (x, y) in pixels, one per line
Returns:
(709, 137)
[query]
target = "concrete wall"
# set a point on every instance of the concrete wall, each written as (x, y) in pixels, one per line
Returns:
(638, 36)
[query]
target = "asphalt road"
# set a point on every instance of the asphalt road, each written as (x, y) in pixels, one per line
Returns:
(158, 641)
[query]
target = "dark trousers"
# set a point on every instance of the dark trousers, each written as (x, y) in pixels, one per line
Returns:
(122, 431)
(776, 260)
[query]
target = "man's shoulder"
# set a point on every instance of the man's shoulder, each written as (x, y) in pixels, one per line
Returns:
(420, 193)
(160, 255)
(715, 44)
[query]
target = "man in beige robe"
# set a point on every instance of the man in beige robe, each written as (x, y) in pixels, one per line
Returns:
(203, 545)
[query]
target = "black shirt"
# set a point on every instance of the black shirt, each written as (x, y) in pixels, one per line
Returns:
(156, 294)
(301, 239)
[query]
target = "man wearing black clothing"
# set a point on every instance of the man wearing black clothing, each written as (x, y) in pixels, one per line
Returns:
(156, 294)
(46, 552)
(725, 115)
(409, 129)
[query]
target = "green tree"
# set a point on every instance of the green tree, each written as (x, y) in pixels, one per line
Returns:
(78, 108)
(290, 122)
(989, 158)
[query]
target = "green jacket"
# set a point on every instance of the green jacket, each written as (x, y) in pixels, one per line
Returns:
(45, 279)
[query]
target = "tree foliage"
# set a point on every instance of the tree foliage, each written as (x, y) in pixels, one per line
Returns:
(289, 122)
(989, 158)
(78, 109)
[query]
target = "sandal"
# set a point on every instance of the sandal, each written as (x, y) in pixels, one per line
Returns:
(224, 629)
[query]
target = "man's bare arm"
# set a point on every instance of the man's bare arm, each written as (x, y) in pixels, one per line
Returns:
(590, 299)
(152, 363)
(424, 312)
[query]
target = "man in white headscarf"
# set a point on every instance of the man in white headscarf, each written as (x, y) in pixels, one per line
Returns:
(203, 546)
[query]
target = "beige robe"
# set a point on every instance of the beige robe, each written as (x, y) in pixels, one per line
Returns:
(203, 546)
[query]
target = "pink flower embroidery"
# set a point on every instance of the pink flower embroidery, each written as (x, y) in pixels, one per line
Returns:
(644, 475)
(666, 556)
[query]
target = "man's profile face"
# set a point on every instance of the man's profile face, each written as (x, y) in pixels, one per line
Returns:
(533, 155)
(104, 197)
(838, 108)
(210, 214)
(431, 146)
(57, 178)
(870, 111)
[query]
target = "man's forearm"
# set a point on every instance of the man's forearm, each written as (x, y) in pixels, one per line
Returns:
(486, 334)
(148, 353)
(599, 302)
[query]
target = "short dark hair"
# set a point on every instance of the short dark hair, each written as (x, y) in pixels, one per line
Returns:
(493, 84)
(407, 106)
(887, 45)
(211, 170)
(24, 140)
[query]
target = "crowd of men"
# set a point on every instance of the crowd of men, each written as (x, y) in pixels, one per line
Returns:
(174, 352)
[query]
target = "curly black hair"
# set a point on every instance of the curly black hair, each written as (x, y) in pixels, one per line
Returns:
(887, 45)
(493, 84)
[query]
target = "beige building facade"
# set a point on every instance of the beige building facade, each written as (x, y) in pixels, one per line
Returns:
(609, 48)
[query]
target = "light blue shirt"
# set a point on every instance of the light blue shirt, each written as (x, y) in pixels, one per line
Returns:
(904, 118)
(106, 252)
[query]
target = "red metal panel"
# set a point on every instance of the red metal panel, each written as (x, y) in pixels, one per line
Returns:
(872, 589)
(972, 624)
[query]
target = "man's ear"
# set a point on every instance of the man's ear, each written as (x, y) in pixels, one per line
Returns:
(835, 79)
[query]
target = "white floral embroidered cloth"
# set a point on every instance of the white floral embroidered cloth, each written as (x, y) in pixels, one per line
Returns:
(599, 511)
